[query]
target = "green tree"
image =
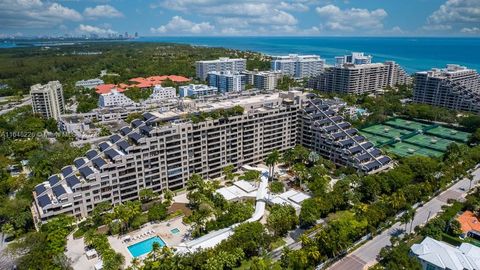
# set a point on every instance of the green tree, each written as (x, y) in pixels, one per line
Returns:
(271, 160)
(228, 172)
(282, 218)
(157, 212)
(147, 194)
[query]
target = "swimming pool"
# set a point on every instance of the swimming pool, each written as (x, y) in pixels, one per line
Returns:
(144, 247)
(175, 231)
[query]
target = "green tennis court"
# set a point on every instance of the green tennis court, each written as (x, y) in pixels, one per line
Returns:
(449, 133)
(386, 131)
(431, 142)
(416, 138)
(406, 124)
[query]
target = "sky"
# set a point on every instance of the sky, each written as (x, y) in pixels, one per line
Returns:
(241, 18)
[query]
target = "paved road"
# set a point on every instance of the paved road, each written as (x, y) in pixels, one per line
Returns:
(366, 255)
(25, 101)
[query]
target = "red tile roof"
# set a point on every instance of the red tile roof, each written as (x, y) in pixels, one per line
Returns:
(107, 88)
(469, 222)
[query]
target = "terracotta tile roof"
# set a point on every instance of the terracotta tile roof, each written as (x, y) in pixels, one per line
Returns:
(176, 78)
(469, 222)
(138, 79)
(107, 88)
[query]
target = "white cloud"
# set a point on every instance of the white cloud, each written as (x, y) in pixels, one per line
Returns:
(34, 14)
(89, 29)
(296, 7)
(178, 25)
(241, 17)
(349, 20)
(473, 30)
(455, 11)
(454, 16)
(102, 11)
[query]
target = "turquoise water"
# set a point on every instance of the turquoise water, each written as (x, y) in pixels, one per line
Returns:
(175, 231)
(413, 53)
(145, 246)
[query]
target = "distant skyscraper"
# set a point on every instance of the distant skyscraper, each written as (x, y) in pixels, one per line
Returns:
(47, 99)
(136, 34)
(126, 34)
(454, 87)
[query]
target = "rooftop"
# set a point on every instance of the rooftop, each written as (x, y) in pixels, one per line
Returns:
(469, 222)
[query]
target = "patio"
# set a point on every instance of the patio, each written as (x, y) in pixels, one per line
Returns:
(120, 243)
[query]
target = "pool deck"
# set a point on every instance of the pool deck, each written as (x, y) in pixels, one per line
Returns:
(162, 230)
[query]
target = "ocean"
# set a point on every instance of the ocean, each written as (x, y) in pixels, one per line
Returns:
(413, 53)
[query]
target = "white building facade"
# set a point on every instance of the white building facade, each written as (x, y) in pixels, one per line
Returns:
(224, 64)
(47, 99)
(90, 84)
(298, 66)
(197, 90)
(226, 81)
(161, 93)
(114, 99)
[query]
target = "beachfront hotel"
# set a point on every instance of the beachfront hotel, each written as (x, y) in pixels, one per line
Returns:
(356, 74)
(163, 149)
(454, 87)
(223, 64)
(298, 66)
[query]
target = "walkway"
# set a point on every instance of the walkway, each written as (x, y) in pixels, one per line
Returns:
(366, 255)
(214, 238)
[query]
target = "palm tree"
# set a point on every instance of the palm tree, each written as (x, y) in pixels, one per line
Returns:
(407, 217)
(168, 196)
(271, 160)
(313, 157)
(136, 261)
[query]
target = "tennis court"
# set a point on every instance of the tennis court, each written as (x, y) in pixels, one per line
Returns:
(449, 133)
(406, 124)
(386, 131)
(416, 138)
(432, 142)
(375, 139)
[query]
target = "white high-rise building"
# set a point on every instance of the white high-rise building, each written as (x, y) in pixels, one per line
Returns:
(223, 64)
(114, 99)
(356, 58)
(266, 80)
(454, 87)
(298, 66)
(226, 81)
(47, 99)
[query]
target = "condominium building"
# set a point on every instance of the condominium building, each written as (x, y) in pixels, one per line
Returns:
(298, 66)
(197, 90)
(226, 81)
(163, 149)
(47, 99)
(359, 78)
(114, 99)
(267, 80)
(328, 134)
(222, 64)
(356, 58)
(161, 93)
(90, 84)
(454, 87)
